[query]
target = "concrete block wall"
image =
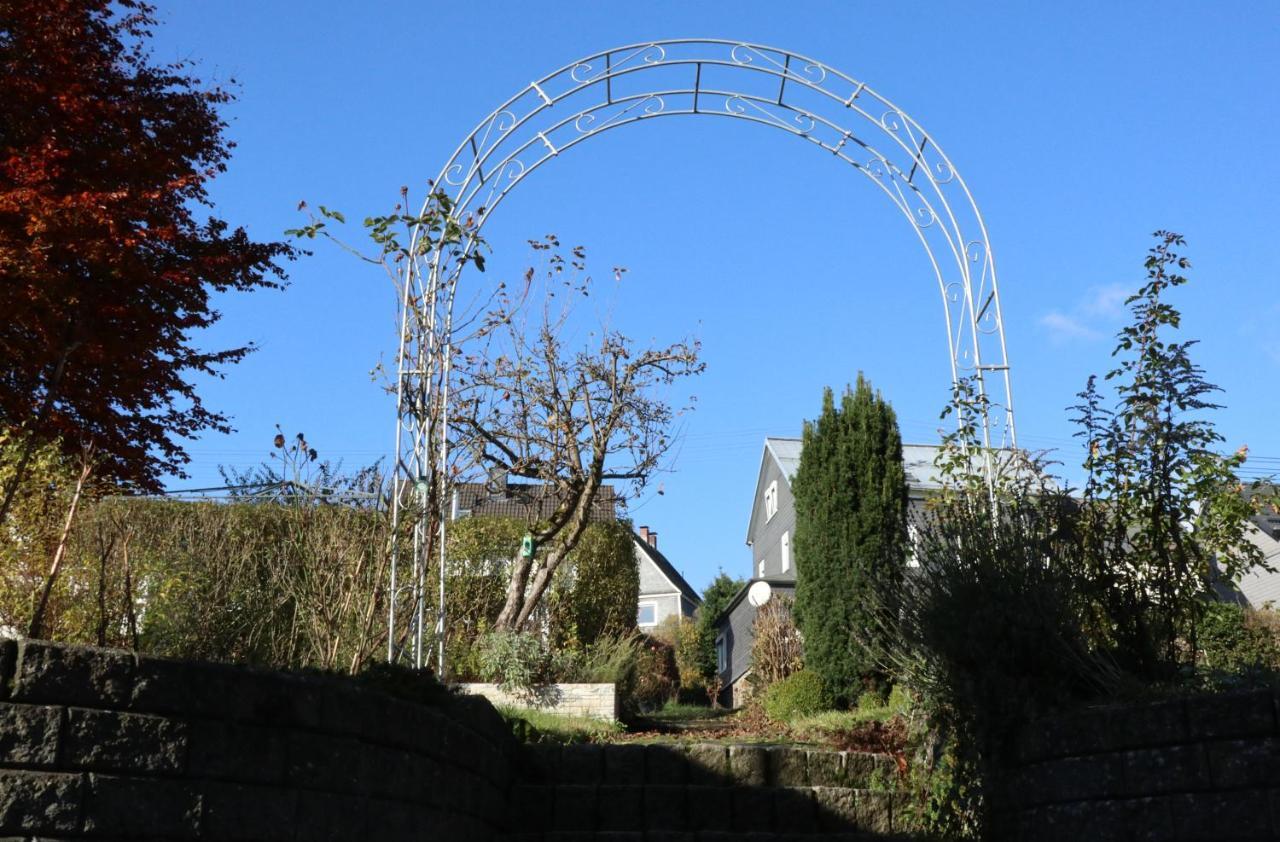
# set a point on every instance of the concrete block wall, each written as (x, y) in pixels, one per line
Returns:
(102, 744)
(597, 701)
(690, 793)
(1197, 768)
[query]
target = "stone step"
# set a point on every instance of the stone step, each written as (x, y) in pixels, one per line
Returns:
(708, 764)
(668, 836)
(693, 808)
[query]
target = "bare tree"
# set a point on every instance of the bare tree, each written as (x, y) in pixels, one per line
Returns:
(569, 420)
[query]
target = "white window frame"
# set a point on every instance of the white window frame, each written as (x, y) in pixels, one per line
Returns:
(722, 654)
(760, 568)
(786, 551)
(771, 501)
(640, 606)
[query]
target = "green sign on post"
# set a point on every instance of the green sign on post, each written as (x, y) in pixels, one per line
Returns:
(526, 546)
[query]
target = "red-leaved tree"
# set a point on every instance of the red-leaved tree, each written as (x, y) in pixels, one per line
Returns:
(109, 251)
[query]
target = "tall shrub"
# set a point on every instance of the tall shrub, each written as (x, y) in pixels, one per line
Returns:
(1163, 509)
(851, 535)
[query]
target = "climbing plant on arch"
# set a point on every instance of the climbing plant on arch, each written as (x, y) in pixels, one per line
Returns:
(829, 110)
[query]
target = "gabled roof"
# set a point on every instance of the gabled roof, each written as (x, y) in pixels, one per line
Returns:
(786, 452)
(787, 586)
(528, 501)
(667, 569)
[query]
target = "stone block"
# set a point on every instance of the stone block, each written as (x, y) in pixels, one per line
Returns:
(1148, 819)
(748, 765)
(393, 821)
(837, 809)
(228, 750)
(665, 808)
(1155, 771)
(1249, 714)
(788, 766)
(826, 768)
(710, 807)
(794, 810)
(666, 764)
(864, 770)
(575, 808)
(40, 802)
(8, 660)
(624, 764)
(708, 765)
(29, 734)
(329, 817)
(540, 762)
(1239, 764)
(874, 811)
(322, 762)
(531, 807)
(670, 836)
(581, 764)
(141, 807)
(1138, 726)
(203, 689)
(390, 773)
(110, 741)
(752, 808)
(72, 675)
(619, 808)
(1215, 815)
(244, 813)
(1073, 778)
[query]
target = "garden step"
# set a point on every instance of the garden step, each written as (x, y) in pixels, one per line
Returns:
(668, 836)
(693, 808)
(708, 764)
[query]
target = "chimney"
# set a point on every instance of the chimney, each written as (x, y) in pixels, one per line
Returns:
(644, 534)
(653, 540)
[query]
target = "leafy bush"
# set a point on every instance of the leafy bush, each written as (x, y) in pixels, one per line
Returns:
(656, 677)
(799, 694)
(1238, 646)
(517, 662)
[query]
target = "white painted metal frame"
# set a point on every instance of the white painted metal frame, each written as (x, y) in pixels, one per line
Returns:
(765, 85)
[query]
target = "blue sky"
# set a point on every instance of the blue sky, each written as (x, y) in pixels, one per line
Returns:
(1080, 128)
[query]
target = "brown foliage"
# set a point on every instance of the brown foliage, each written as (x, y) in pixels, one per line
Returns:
(105, 267)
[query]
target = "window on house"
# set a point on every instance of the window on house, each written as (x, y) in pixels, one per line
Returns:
(647, 614)
(771, 500)
(722, 654)
(786, 551)
(760, 569)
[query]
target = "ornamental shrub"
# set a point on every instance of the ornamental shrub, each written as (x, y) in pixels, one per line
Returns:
(799, 694)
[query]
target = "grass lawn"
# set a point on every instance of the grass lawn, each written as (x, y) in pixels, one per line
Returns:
(537, 726)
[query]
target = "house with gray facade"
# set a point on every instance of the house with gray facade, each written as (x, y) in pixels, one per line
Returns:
(663, 591)
(769, 532)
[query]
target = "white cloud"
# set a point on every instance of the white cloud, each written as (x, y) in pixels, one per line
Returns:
(1105, 302)
(1064, 328)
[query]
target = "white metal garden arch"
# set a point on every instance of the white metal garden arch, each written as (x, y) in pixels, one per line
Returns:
(772, 87)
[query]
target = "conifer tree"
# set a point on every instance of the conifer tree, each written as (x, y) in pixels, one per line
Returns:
(851, 536)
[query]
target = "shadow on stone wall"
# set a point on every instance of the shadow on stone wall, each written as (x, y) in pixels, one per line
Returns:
(675, 793)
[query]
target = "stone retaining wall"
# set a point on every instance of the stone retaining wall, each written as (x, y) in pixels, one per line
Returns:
(598, 701)
(704, 792)
(1197, 768)
(103, 744)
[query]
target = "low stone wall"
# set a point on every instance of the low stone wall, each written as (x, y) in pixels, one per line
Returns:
(102, 744)
(598, 701)
(1197, 768)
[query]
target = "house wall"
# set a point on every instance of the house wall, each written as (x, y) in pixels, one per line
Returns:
(766, 533)
(666, 605)
(737, 634)
(1261, 587)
